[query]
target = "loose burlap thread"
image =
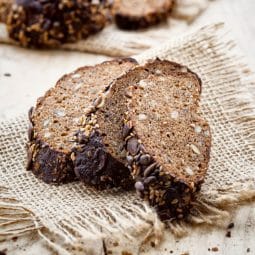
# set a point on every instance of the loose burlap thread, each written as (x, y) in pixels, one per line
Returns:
(73, 217)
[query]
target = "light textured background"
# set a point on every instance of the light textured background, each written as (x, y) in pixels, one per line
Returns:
(33, 72)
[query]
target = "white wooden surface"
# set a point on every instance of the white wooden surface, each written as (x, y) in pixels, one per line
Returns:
(33, 72)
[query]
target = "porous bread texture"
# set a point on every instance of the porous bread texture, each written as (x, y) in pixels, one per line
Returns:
(137, 14)
(115, 107)
(61, 114)
(167, 142)
(110, 115)
(48, 24)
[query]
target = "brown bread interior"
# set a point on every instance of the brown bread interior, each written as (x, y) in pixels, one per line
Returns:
(165, 120)
(58, 113)
(139, 8)
(110, 117)
(167, 142)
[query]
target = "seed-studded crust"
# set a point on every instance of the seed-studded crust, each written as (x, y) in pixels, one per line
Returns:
(94, 165)
(170, 192)
(171, 195)
(47, 24)
(56, 165)
(137, 14)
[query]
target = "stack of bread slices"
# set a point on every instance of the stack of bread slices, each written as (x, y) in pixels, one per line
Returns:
(120, 124)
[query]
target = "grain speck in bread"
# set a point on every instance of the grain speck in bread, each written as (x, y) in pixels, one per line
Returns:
(137, 14)
(40, 23)
(57, 123)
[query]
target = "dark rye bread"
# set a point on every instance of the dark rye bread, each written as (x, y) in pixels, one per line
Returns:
(57, 126)
(137, 14)
(47, 24)
(177, 89)
(167, 141)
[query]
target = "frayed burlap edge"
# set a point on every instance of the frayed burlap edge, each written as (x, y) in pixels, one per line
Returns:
(213, 208)
(16, 220)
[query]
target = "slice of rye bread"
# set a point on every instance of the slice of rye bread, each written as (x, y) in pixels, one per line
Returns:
(108, 120)
(137, 14)
(167, 142)
(161, 124)
(47, 24)
(60, 113)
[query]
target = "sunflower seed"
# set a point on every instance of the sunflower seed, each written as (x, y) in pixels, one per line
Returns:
(189, 170)
(142, 117)
(145, 159)
(130, 159)
(132, 146)
(174, 115)
(139, 186)
(126, 130)
(195, 149)
(30, 132)
(150, 179)
(149, 169)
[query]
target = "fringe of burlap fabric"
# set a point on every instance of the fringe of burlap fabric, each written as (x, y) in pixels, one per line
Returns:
(114, 42)
(74, 218)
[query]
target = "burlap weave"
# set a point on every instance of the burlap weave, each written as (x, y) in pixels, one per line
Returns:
(73, 218)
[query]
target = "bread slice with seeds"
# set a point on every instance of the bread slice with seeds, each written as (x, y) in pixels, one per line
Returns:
(167, 142)
(137, 14)
(48, 24)
(57, 126)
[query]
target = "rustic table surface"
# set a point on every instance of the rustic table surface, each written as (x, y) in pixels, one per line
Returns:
(33, 72)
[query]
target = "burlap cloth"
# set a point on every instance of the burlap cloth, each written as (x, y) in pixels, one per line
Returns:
(76, 219)
(114, 42)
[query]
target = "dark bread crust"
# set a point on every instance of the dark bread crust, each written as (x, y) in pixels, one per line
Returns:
(47, 24)
(94, 165)
(170, 194)
(46, 163)
(55, 166)
(127, 21)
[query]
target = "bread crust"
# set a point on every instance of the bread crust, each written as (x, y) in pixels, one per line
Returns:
(54, 166)
(94, 165)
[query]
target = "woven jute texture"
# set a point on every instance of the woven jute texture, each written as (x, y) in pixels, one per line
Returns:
(114, 42)
(74, 218)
